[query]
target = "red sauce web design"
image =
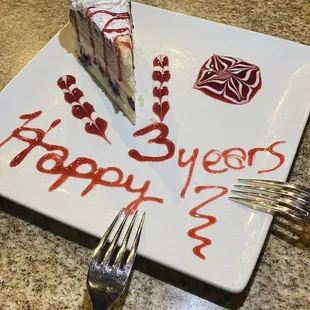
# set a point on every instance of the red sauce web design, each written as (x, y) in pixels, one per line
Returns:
(229, 79)
(212, 161)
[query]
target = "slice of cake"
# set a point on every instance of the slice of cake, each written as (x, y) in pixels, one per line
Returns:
(104, 44)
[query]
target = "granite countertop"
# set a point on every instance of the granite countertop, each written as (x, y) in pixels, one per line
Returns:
(43, 263)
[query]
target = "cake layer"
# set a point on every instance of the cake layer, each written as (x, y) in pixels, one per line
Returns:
(105, 47)
(119, 93)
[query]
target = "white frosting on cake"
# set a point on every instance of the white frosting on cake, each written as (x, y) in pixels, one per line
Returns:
(105, 4)
(101, 19)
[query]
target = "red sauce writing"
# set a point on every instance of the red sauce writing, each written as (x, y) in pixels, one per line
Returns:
(183, 163)
(234, 159)
(241, 158)
(161, 76)
(59, 154)
(160, 139)
(213, 161)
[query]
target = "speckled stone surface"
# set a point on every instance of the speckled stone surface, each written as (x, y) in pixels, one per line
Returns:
(43, 263)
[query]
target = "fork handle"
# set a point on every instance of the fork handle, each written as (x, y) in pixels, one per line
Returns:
(100, 305)
(100, 308)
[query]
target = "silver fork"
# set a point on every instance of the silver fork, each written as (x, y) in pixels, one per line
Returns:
(286, 198)
(109, 270)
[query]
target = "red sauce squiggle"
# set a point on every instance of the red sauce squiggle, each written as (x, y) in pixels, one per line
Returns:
(82, 109)
(59, 154)
(211, 220)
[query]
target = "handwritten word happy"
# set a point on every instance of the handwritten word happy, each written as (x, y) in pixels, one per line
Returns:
(96, 175)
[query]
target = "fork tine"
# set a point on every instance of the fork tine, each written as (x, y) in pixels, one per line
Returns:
(122, 250)
(281, 191)
(274, 198)
(103, 241)
(271, 205)
(112, 246)
(133, 251)
(291, 201)
(278, 184)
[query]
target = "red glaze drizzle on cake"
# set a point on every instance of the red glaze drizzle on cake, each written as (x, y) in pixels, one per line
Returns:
(108, 28)
(229, 79)
(75, 25)
(91, 37)
(81, 108)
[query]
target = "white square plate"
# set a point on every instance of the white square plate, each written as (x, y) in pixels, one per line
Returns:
(278, 112)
